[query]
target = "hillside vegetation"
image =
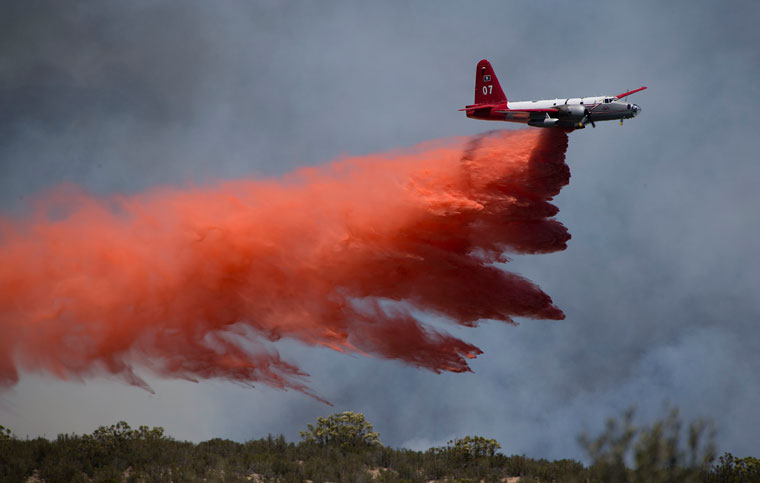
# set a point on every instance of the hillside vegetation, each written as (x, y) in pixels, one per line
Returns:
(344, 448)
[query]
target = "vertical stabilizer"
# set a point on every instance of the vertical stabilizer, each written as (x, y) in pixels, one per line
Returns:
(487, 87)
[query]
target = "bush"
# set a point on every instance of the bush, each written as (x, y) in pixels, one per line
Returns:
(343, 447)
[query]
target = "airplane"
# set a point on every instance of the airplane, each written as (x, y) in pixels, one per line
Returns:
(491, 105)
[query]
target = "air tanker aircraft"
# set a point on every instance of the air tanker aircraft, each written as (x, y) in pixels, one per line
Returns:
(491, 105)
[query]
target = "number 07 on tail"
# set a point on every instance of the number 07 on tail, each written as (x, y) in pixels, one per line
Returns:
(574, 113)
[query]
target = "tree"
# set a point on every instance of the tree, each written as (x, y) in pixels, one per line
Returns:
(730, 469)
(656, 451)
(346, 430)
(474, 447)
(6, 434)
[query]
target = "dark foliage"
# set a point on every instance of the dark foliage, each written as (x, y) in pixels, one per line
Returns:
(120, 453)
(735, 470)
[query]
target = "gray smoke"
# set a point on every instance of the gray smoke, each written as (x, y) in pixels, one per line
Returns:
(659, 282)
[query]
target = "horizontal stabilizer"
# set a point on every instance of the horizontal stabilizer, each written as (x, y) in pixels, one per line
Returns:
(479, 106)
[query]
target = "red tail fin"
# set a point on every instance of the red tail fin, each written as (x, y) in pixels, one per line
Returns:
(487, 87)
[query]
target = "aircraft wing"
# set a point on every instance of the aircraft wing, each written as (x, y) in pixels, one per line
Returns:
(484, 106)
(527, 110)
(620, 96)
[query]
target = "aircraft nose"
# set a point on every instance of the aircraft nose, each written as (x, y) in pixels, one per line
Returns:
(635, 110)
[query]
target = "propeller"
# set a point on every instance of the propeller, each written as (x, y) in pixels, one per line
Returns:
(587, 117)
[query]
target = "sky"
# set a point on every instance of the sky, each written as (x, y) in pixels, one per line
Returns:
(660, 279)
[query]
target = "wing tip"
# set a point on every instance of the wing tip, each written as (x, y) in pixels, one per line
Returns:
(624, 94)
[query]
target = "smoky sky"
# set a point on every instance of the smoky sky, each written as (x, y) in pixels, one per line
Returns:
(659, 282)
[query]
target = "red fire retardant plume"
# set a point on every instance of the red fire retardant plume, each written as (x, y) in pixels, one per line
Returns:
(197, 283)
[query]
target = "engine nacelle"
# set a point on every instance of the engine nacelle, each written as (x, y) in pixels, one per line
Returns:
(573, 113)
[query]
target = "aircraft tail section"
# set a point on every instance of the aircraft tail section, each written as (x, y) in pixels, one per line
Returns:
(487, 87)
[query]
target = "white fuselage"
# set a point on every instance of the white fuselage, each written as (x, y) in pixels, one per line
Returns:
(573, 111)
(599, 104)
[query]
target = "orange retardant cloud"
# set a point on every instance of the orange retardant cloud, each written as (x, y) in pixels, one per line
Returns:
(197, 283)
